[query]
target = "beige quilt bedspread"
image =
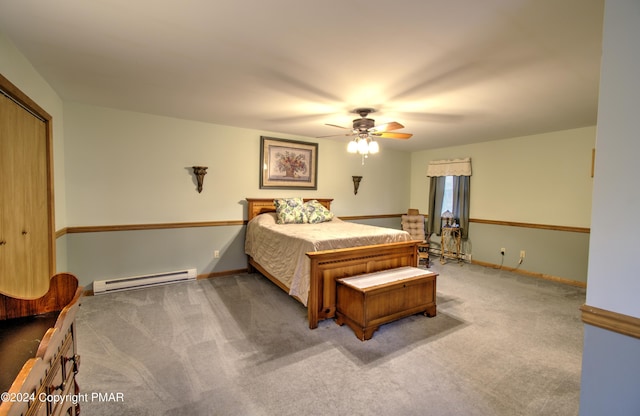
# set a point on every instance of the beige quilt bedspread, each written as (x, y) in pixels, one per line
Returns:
(281, 248)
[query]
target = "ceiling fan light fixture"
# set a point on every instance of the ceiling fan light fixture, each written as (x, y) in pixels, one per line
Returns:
(364, 129)
(363, 146)
(373, 147)
(352, 147)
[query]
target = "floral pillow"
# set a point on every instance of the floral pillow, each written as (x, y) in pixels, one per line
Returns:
(290, 211)
(316, 212)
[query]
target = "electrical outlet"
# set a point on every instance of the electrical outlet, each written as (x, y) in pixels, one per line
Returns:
(502, 251)
(522, 253)
(216, 254)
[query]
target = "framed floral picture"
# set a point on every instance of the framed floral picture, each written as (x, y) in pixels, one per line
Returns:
(288, 164)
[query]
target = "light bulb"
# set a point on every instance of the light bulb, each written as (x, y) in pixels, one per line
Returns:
(363, 146)
(352, 147)
(373, 147)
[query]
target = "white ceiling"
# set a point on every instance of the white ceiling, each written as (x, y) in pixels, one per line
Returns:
(453, 72)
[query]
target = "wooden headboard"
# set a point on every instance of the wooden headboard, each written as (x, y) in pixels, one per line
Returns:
(259, 206)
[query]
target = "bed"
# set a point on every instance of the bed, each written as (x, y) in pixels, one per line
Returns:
(314, 263)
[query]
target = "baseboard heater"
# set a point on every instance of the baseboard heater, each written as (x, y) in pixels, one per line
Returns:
(138, 282)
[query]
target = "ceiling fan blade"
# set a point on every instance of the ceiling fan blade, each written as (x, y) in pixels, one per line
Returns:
(386, 135)
(335, 125)
(387, 127)
(334, 135)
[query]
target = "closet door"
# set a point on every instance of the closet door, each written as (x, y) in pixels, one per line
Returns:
(24, 203)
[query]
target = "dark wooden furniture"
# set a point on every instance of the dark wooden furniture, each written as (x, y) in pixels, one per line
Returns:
(39, 358)
(328, 265)
(365, 302)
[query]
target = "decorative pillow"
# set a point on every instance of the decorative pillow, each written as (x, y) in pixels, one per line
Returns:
(290, 211)
(316, 212)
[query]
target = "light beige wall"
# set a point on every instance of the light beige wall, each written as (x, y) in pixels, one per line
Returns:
(125, 167)
(541, 179)
(132, 168)
(613, 271)
(610, 365)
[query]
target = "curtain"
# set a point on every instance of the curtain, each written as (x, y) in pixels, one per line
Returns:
(461, 203)
(452, 167)
(437, 170)
(436, 192)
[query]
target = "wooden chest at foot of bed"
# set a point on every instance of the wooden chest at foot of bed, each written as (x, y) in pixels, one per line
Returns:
(367, 301)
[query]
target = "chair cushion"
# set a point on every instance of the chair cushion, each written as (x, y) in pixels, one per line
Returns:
(414, 225)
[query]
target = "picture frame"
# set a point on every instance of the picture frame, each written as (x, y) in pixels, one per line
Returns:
(288, 164)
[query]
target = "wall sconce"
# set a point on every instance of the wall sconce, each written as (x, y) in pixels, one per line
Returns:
(200, 171)
(356, 184)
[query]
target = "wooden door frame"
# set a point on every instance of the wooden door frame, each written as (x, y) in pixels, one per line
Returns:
(23, 100)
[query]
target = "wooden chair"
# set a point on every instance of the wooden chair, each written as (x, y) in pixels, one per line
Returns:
(413, 223)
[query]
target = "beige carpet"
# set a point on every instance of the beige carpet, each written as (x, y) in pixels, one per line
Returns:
(501, 344)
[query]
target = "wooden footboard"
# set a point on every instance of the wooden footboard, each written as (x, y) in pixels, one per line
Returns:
(329, 265)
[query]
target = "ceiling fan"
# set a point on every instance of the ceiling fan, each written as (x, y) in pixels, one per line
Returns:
(365, 127)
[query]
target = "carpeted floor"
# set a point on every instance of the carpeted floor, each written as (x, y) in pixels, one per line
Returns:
(501, 344)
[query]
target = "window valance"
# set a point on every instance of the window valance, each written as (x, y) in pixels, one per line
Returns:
(452, 167)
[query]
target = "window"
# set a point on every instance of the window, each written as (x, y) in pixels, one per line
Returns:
(449, 185)
(447, 197)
